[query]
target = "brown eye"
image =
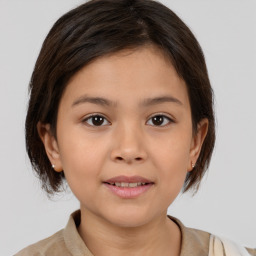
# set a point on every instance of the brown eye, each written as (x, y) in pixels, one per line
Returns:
(96, 120)
(159, 120)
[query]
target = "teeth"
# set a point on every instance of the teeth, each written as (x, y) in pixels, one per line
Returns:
(128, 185)
(124, 184)
(133, 185)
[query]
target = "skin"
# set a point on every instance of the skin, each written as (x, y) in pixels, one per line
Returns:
(127, 143)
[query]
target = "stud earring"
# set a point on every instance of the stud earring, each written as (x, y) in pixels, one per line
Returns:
(55, 169)
(193, 165)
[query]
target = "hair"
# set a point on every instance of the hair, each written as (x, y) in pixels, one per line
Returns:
(101, 27)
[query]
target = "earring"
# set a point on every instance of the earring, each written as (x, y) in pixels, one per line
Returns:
(56, 170)
(193, 165)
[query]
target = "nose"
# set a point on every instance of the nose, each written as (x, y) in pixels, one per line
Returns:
(128, 146)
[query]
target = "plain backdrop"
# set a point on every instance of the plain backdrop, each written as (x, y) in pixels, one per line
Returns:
(225, 204)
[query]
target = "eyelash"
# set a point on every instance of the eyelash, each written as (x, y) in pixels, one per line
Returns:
(169, 120)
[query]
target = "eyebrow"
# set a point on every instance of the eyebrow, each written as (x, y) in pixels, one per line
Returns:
(105, 102)
(94, 100)
(161, 99)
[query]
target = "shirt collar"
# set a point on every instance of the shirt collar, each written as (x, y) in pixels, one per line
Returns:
(194, 242)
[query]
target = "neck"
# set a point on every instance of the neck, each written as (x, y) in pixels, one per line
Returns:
(159, 237)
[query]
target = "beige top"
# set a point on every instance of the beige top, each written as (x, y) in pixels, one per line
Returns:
(67, 242)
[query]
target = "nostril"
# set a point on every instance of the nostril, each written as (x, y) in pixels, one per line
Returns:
(119, 158)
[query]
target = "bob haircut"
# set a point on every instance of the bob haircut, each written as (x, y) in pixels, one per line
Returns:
(101, 27)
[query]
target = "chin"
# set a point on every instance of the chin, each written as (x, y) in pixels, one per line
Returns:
(129, 218)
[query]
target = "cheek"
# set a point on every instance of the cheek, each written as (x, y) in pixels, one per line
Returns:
(172, 174)
(81, 160)
(172, 151)
(172, 168)
(171, 160)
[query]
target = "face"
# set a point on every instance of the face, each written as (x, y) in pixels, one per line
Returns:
(124, 136)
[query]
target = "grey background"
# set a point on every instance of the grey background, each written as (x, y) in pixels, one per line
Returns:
(225, 205)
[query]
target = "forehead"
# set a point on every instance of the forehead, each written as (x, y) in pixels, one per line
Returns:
(128, 74)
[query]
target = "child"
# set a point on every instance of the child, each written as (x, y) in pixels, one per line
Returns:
(121, 108)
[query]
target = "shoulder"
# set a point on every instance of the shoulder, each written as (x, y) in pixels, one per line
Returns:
(252, 251)
(66, 242)
(223, 246)
(194, 242)
(213, 245)
(53, 245)
(197, 242)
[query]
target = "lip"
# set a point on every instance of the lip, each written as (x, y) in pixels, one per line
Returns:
(128, 179)
(128, 192)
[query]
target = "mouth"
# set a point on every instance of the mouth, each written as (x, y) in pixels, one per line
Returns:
(128, 187)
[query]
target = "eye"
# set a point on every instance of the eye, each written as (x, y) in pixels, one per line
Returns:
(159, 120)
(96, 120)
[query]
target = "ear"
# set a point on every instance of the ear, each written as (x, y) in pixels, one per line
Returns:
(197, 142)
(50, 145)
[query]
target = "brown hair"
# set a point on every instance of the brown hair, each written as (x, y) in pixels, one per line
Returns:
(101, 27)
